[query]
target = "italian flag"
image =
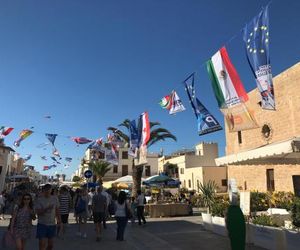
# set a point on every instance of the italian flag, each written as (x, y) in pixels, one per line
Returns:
(226, 83)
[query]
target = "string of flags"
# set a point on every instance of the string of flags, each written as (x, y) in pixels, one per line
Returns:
(228, 89)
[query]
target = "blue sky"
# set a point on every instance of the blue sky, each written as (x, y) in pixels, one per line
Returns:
(91, 64)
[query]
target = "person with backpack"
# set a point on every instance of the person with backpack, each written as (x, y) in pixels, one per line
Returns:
(141, 201)
(21, 222)
(81, 210)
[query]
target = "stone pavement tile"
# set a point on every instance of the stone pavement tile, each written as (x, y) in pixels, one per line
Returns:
(158, 234)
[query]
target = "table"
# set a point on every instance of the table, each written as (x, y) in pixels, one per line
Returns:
(167, 210)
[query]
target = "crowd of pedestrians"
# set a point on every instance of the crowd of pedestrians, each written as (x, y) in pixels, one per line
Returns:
(51, 207)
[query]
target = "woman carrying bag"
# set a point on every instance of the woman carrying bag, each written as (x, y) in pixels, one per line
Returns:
(21, 222)
(122, 214)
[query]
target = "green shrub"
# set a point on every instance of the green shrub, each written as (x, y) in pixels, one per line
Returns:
(264, 220)
(296, 212)
(282, 200)
(259, 201)
(220, 206)
(197, 201)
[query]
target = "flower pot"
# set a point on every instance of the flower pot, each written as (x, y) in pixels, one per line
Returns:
(267, 237)
(292, 240)
(207, 221)
(219, 226)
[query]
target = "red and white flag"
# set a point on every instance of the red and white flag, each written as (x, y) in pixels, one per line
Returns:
(4, 131)
(145, 129)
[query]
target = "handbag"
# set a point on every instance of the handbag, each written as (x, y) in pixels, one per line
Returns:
(8, 241)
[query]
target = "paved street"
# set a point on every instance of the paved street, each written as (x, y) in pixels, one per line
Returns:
(164, 233)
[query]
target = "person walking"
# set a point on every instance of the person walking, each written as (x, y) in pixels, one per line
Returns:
(47, 209)
(64, 209)
(140, 207)
(108, 200)
(99, 207)
(121, 214)
(2, 205)
(91, 195)
(81, 209)
(133, 210)
(21, 222)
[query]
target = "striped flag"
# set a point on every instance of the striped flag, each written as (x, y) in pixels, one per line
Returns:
(23, 135)
(4, 131)
(226, 83)
(229, 92)
(145, 128)
(81, 140)
(166, 102)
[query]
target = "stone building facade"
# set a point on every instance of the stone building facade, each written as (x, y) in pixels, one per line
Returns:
(267, 158)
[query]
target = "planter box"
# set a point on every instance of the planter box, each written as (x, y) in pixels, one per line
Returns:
(292, 240)
(267, 237)
(219, 225)
(207, 221)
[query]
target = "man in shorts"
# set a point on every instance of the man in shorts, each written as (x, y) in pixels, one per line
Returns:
(47, 209)
(99, 208)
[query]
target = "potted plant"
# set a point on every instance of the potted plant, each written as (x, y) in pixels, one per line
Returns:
(292, 238)
(218, 211)
(207, 190)
(264, 232)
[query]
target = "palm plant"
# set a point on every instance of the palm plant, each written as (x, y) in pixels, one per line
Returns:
(99, 169)
(57, 177)
(63, 177)
(208, 193)
(156, 135)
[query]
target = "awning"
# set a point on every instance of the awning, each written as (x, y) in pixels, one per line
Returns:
(286, 149)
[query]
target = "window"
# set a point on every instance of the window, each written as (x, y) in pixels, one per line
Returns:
(1, 169)
(125, 155)
(182, 171)
(148, 170)
(240, 137)
(184, 184)
(296, 183)
(270, 180)
(115, 169)
(101, 155)
(190, 184)
(124, 170)
(224, 182)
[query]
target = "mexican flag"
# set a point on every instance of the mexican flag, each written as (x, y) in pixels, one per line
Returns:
(226, 83)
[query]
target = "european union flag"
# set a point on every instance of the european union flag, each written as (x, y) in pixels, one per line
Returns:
(257, 38)
(206, 122)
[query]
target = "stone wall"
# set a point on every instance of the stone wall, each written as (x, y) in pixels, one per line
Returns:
(284, 122)
(253, 177)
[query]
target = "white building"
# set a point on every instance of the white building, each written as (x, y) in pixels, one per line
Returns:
(124, 166)
(193, 167)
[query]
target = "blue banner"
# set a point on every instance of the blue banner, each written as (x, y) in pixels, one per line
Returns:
(257, 39)
(134, 139)
(206, 122)
(51, 138)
